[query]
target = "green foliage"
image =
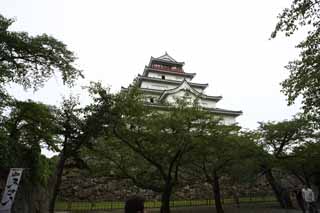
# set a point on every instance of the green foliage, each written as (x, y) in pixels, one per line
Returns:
(299, 14)
(305, 71)
(305, 162)
(27, 128)
(292, 146)
(79, 126)
(5, 154)
(32, 60)
(279, 138)
(150, 144)
(223, 152)
(45, 169)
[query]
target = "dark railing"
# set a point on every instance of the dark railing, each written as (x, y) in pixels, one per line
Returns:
(167, 68)
(110, 205)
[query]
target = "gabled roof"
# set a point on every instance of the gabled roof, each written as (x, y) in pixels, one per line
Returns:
(185, 85)
(166, 58)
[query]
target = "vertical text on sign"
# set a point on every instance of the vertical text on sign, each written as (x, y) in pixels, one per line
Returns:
(10, 189)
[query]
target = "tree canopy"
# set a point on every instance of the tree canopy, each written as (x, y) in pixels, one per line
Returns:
(281, 140)
(150, 145)
(32, 60)
(27, 126)
(304, 71)
(218, 151)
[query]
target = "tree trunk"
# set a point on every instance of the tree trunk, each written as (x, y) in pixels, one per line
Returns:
(281, 193)
(300, 200)
(56, 180)
(216, 193)
(235, 195)
(165, 199)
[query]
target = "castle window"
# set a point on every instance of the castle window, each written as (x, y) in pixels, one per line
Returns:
(163, 77)
(151, 100)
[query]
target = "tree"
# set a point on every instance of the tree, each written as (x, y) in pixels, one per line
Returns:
(28, 127)
(67, 130)
(216, 153)
(305, 71)
(304, 163)
(279, 139)
(151, 145)
(79, 128)
(29, 61)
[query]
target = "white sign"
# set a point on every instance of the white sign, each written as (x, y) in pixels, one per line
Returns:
(10, 190)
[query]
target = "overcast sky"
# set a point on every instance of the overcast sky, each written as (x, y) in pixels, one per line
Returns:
(225, 42)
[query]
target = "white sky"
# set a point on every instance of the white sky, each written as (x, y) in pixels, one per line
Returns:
(225, 42)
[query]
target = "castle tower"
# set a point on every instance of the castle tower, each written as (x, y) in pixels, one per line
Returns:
(164, 80)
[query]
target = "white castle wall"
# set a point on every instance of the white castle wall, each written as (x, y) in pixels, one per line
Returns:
(167, 76)
(171, 98)
(228, 120)
(158, 86)
(207, 103)
(204, 103)
(162, 86)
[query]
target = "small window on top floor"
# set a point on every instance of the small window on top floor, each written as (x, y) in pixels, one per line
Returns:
(163, 77)
(151, 100)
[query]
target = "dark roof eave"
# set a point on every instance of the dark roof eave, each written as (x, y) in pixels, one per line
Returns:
(145, 90)
(225, 112)
(215, 98)
(167, 62)
(213, 110)
(157, 105)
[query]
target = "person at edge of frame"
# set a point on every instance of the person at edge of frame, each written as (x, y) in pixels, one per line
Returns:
(134, 204)
(309, 199)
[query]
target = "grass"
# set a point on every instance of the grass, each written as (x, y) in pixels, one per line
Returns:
(109, 205)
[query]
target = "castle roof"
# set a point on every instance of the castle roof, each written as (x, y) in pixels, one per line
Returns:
(185, 85)
(217, 111)
(144, 90)
(166, 59)
(163, 71)
(164, 80)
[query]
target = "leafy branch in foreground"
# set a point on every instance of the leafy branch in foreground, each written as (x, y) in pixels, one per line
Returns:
(32, 60)
(305, 71)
